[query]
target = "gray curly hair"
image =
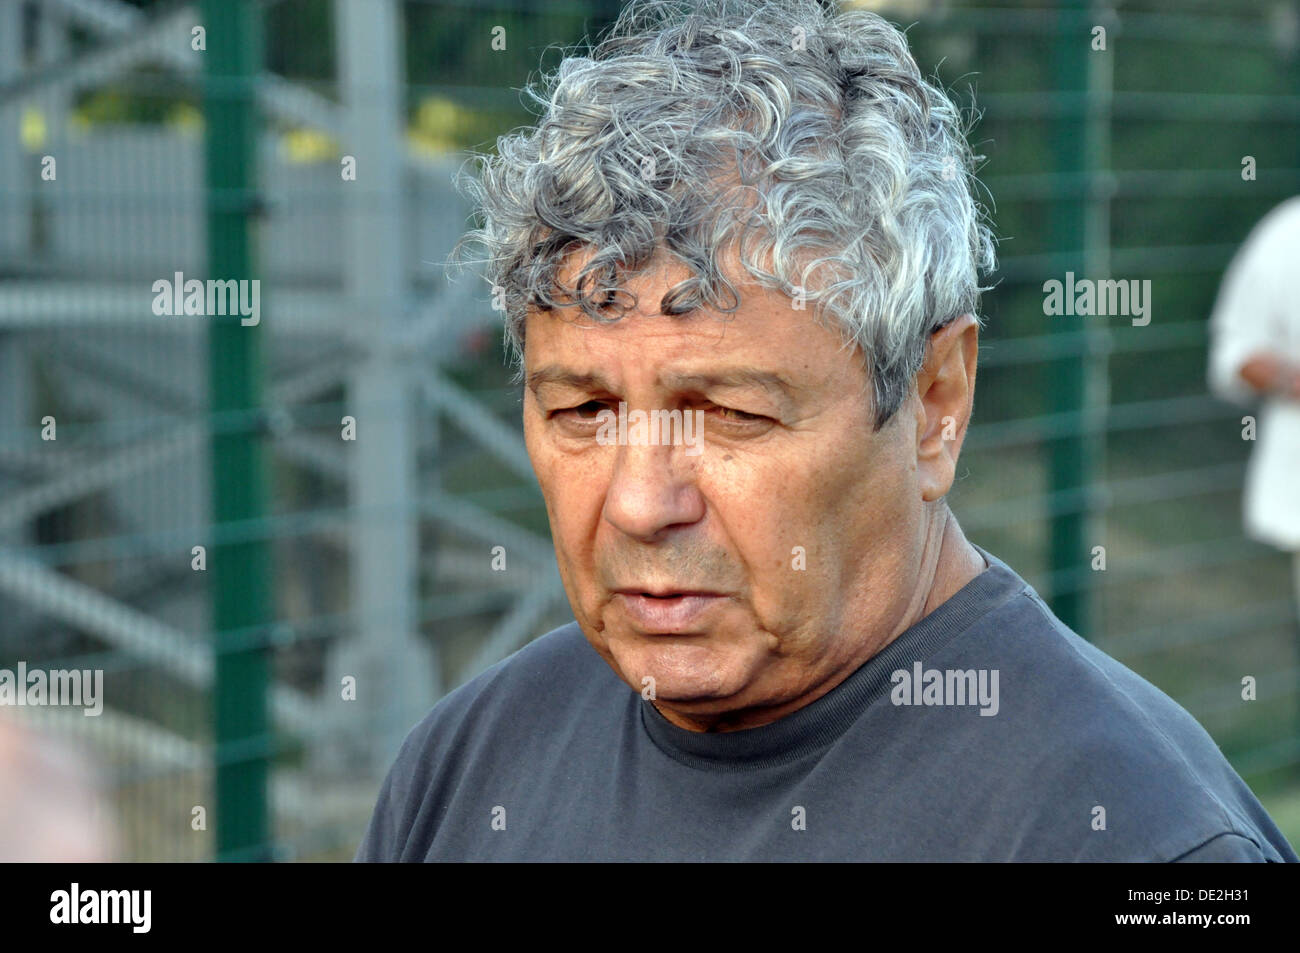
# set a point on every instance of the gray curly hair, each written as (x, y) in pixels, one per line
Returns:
(808, 138)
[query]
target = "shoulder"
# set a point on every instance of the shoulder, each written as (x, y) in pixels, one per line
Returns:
(1271, 243)
(1092, 734)
(1282, 219)
(535, 682)
(1225, 848)
(494, 721)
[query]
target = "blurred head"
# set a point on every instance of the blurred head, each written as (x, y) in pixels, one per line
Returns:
(760, 213)
(51, 808)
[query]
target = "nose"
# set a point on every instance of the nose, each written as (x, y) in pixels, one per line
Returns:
(652, 488)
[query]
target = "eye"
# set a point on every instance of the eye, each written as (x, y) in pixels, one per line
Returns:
(739, 416)
(576, 411)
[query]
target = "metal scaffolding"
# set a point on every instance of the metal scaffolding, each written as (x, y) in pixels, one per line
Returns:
(376, 346)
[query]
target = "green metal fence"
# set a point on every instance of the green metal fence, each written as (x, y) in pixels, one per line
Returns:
(224, 682)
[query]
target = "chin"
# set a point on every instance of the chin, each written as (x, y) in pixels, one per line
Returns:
(684, 668)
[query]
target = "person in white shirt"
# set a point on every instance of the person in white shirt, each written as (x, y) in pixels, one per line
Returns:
(1254, 356)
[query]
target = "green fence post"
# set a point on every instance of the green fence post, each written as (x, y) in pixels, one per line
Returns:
(1067, 466)
(240, 570)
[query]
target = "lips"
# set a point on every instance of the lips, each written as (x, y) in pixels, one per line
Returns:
(666, 593)
(669, 612)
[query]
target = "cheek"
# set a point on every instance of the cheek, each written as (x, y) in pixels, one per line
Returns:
(548, 466)
(876, 520)
(573, 492)
(845, 508)
(775, 521)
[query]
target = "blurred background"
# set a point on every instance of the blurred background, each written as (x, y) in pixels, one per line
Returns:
(274, 604)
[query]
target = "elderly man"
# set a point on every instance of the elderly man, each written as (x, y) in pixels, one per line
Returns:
(784, 647)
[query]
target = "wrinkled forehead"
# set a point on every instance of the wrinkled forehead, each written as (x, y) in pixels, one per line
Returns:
(766, 347)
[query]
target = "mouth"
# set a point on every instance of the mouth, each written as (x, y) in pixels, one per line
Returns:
(669, 612)
(667, 593)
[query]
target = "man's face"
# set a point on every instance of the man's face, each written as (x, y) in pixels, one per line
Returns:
(802, 525)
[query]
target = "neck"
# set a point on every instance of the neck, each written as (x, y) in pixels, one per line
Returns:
(955, 562)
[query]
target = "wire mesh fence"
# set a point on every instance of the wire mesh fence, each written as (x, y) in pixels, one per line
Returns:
(375, 485)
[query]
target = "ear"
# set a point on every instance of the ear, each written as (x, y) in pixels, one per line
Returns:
(946, 388)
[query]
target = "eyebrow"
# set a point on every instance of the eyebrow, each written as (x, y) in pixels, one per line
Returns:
(732, 377)
(554, 374)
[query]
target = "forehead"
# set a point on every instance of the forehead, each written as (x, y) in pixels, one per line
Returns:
(766, 342)
(777, 385)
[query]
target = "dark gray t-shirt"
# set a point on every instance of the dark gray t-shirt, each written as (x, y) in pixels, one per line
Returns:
(548, 756)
